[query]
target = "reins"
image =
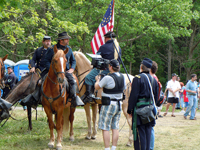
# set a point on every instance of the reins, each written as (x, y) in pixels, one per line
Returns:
(61, 91)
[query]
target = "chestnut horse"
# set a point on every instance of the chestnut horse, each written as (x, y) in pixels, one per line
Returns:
(83, 67)
(54, 95)
(2, 69)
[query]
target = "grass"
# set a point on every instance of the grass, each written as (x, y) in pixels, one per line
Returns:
(172, 133)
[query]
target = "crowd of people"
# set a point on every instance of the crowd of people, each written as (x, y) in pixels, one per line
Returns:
(184, 97)
(146, 91)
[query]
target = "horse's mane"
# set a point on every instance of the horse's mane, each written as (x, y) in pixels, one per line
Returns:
(22, 79)
(80, 54)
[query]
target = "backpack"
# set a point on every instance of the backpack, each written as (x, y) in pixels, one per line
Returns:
(160, 99)
(160, 95)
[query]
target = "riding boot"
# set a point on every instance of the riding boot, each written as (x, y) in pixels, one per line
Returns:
(32, 99)
(75, 100)
(88, 95)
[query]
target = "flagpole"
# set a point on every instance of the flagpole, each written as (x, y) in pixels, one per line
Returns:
(112, 13)
(120, 58)
(116, 47)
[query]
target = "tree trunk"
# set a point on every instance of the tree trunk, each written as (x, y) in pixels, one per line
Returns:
(169, 58)
(191, 50)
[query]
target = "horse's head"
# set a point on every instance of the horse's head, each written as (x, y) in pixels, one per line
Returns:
(2, 69)
(59, 63)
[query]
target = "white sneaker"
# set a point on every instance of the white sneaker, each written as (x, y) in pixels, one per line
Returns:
(182, 111)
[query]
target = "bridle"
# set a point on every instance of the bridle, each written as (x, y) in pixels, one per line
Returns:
(2, 72)
(56, 73)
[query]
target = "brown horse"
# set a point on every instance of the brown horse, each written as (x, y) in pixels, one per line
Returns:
(54, 95)
(2, 69)
(83, 67)
(23, 88)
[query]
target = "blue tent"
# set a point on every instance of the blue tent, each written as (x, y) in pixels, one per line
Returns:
(21, 68)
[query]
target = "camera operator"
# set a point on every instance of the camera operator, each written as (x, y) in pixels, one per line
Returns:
(112, 95)
(107, 51)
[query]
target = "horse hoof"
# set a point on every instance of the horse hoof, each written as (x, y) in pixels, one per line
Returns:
(88, 138)
(128, 145)
(50, 145)
(93, 137)
(71, 139)
(58, 148)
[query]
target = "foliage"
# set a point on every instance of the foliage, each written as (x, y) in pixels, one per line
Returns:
(143, 28)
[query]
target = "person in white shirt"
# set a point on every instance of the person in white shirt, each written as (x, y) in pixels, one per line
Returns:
(173, 88)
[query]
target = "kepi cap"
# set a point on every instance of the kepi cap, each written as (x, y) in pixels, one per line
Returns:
(109, 34)
(114, 63)
(147, 62)
(47, 38)
(63, 35)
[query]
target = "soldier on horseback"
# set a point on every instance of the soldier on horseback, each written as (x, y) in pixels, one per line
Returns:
(37, 63)
(107, 51)
(63, 43)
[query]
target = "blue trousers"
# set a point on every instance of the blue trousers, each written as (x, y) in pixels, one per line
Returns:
(152, 139)
(90, 78)
(191, 106)
(143, 137)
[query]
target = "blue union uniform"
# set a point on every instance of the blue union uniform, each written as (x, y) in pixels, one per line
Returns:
(38, 60)
(107, 52)
(9, 84)
(141, 90)
(69, 56)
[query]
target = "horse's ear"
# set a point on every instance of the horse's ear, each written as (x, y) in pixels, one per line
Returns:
(66, 51)
(5, 57)
(55, 49)
(79, 50)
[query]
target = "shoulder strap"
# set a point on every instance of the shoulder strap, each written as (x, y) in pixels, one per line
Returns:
(150, 88)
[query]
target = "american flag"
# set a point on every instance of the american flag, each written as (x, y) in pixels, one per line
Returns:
(106, 25)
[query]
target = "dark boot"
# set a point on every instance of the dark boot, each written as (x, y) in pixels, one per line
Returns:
(32, 99)
(75, 100)
(88, 96)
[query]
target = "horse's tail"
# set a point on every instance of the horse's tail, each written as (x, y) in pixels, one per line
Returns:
(66, 114)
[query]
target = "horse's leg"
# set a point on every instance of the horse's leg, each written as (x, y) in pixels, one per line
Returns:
(71, 119)
(88, 116)
(129, 120)
(59, 127)
(94, 119)
(29, 114)
(51, 126)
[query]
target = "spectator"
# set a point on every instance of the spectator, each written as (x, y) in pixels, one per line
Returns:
(173, 88)
(191, 89)
(182, 97)
(179, 99)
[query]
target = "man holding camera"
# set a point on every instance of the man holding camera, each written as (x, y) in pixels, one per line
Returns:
(107, 51)
(141, 97)
(112, 95)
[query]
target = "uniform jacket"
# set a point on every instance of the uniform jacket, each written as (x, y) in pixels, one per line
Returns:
(141, 89)
(10, 82)
(107, 50)
(69, 56)
(38, 58)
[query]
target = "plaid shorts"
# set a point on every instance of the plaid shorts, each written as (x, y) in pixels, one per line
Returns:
(109, 117)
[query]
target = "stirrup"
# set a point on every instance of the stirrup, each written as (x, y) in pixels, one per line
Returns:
(79, 102)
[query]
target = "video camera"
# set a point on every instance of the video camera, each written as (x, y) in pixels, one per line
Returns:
(99, 62)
